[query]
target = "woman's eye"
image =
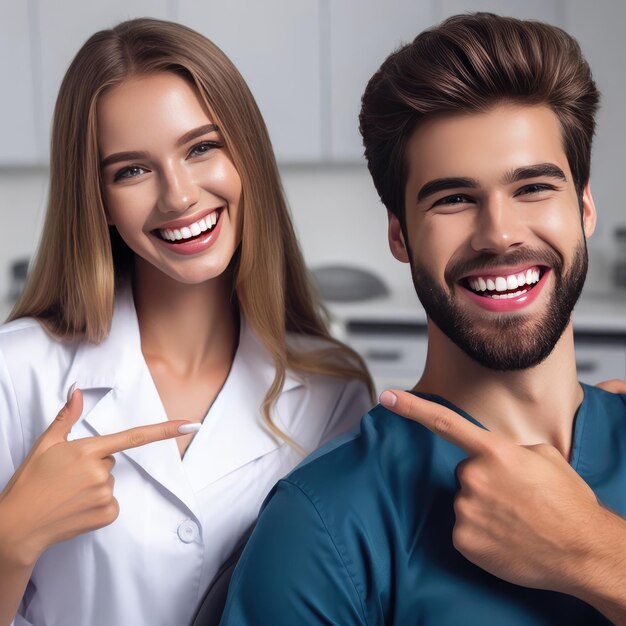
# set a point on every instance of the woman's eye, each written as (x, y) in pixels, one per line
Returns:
(129, 172)
(203, 148)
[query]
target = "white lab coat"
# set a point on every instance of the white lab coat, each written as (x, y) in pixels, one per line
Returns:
(179, 519)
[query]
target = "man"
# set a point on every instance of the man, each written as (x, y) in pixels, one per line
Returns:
(478, 138)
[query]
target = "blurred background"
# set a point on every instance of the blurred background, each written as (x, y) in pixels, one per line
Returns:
(307, 63)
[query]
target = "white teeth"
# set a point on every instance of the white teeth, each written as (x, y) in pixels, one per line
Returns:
(504, 296)
(511, 282)
(193, 230)
(500, 284)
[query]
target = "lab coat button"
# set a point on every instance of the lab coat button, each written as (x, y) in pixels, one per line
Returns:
(188, 531)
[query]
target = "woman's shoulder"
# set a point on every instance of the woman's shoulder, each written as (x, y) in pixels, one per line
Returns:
(25, 343)
(26, 333)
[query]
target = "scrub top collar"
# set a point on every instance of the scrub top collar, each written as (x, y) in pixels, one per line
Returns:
(233, 432)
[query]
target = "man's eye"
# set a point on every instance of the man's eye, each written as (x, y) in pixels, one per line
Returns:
(534, 188)
(129, 172)
(455, 199)
(204, 147)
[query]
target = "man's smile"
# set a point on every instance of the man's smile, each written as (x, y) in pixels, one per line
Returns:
(506, 291)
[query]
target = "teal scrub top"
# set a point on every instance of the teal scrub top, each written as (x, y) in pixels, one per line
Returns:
(361, 532)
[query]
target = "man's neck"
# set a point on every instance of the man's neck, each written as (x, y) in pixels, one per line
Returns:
(531, 406)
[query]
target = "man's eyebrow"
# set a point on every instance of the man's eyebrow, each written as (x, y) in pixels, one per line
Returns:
(117, 157)
(442, 184)
(535, 171)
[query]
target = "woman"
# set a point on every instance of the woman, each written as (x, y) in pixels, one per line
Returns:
(169, 285)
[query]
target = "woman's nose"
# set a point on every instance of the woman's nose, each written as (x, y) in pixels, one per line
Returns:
(178, 190)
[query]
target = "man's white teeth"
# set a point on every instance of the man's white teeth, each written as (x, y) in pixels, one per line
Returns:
(193, 230)
(505, 283)
(503, 296)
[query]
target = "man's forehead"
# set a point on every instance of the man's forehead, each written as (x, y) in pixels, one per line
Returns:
(486, 146)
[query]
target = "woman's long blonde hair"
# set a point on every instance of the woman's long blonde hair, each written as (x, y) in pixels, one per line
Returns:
(71, 285)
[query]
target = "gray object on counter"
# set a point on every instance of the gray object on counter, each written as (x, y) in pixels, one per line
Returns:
(19, 269)
(345, 283)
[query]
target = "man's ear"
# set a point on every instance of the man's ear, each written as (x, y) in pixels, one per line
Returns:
(589, 212)
(396, 239)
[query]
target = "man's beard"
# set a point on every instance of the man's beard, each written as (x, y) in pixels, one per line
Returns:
(512, 341)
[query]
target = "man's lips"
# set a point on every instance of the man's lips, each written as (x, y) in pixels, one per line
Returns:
(503, 280)
(503, 292)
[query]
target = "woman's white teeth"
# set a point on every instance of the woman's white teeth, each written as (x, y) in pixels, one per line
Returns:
(505, 283)
(193, 230)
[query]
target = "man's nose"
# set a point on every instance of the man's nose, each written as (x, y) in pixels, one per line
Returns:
(178, 190)
(498, 228)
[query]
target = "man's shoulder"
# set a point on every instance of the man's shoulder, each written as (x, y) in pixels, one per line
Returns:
(385, 453)
(598, 400)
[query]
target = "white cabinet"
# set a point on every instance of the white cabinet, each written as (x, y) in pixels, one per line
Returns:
(19, 143)
(275, 44)
(362, 34)
(307, 62)
(62, 27)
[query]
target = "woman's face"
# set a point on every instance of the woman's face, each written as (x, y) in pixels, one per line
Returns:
(169, 185)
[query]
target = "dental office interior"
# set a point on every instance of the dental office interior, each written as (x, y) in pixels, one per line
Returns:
(307, 63)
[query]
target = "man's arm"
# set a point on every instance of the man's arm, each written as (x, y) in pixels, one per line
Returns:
(524, 515)
(291, 571)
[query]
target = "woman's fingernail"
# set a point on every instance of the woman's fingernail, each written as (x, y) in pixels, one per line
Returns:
(186, 429)
(70, 391)
(388, 398)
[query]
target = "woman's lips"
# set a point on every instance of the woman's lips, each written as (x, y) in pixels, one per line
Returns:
(194, 244)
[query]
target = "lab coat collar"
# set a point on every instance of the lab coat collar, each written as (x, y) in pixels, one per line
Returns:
(233, 433)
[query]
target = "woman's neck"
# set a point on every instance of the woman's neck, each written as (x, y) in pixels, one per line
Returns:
(192, 328)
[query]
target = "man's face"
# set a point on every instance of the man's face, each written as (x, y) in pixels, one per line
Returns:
(495, 241)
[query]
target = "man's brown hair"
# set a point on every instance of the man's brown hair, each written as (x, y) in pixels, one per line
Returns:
(469, 63)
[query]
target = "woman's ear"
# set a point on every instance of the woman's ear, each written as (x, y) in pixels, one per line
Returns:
(396, 239)
(589, 212)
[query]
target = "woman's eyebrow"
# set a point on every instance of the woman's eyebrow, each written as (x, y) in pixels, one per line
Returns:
(137, 155)
(196, 132)
(123, 156)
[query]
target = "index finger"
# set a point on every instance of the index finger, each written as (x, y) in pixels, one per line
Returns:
(440, 420)
(106, 445)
